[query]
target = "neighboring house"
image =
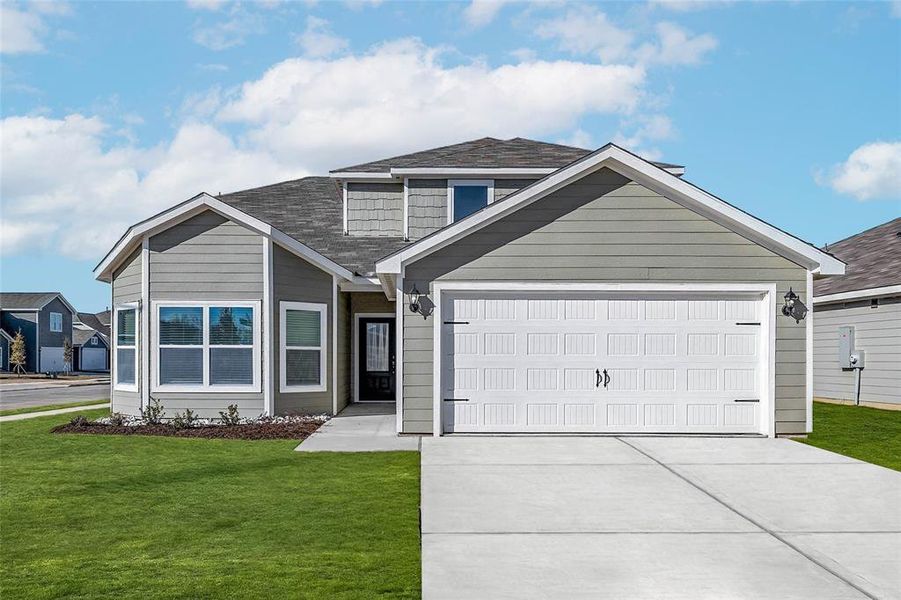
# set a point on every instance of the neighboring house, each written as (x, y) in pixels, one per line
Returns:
(90, 349)
(868, 300)
(6, 341)
(97, 322)
(488, 286)
(45, 319)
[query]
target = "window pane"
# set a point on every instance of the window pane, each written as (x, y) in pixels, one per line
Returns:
(231, 366)
(125, 365)
(231, 326)
(468, 199)
(302, 328)
(181, 325)
(181, 366)
(125, 328)
(302, 367)
(377, 346)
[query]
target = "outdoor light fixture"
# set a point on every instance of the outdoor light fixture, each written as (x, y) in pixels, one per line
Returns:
(793, 306)
(414, 300)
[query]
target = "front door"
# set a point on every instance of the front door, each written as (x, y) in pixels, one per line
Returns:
(376, 358)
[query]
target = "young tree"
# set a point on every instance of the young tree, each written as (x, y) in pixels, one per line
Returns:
(67, 354)
(17, 354)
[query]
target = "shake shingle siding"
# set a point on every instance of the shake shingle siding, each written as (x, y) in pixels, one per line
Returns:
(605, 228)
(427, 206)
(375, 209)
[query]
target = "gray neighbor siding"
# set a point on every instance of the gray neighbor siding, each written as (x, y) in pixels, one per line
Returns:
(296, 280)
(605, 228)
(27, 323)
(207, 257)
(4, 353)
(877, 331)
(427, 202)
(375, 209)
(126, 288)
(51, 339)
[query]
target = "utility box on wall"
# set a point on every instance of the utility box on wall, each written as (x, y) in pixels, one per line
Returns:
(845, 346)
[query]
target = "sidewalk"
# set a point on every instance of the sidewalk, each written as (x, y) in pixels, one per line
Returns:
(56, 411)
(51, 384)
(360, 427)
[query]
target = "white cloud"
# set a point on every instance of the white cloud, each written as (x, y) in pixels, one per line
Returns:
(331, 112)
(318, 40)
(230, 32)
(896, 9)
(304, 115)
(578, 139)
(211, 5)
(690, 5)
(872, 171)
(94, 192)
(20, 31)
(212, 67)
(676, 46)
(482, 12)
(586, 30)
(646, 130)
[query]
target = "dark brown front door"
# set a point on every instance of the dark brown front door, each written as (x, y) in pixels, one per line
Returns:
(377, 358)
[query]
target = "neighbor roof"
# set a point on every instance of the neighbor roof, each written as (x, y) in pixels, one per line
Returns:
(93, 321)
(873, 258)
(80, 336)
(27, 300)
(311, 210)
(484, 153)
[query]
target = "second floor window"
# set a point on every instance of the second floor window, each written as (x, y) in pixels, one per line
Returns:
(467, 196)
(56, 322)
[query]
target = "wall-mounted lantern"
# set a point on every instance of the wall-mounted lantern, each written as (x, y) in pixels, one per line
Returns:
(415, 306)
(793, 306)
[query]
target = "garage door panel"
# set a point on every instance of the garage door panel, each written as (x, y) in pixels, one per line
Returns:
(533, 364)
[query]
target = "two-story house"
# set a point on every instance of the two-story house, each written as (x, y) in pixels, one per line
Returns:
(488, 286)
(45, 320)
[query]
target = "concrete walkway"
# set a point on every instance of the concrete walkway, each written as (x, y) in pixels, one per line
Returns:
(47, 413)
(360, 428)
(604, 517)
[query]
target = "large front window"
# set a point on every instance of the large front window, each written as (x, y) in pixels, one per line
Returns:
(207, 345)
(56, 322)
(126, 360)
(303, 346)
(466, 196)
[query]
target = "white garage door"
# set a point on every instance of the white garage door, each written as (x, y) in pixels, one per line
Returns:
(93, 359)
(654, 364)
(52, 360)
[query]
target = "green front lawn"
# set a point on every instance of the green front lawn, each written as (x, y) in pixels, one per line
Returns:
(142, 517)
(868, 434)
(31, 409)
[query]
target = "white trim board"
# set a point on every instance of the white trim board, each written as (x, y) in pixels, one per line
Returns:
(453, 183)
(765, 292)
(195, 206)
(644, 173)
(880, 292)
(355, 363)
(322, 309)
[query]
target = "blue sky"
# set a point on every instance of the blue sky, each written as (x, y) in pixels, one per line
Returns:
(114, 111)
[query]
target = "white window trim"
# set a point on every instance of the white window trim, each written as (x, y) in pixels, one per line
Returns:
(451, 183)
(54, 316)
(322, 309)
(125, 387)
(206, 386)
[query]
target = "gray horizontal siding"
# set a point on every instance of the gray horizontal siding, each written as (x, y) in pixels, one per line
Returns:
(877, 330)
(505, 187)
(209, 405)
(375, 209)
(606, 228)
(296, 280)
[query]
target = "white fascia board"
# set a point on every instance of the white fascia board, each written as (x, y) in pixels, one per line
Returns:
(642, 172)
(65, 303)
(361, 284)
(360, 176)
(388, 283)
(888, 290)
(470, 172)
(195, 206)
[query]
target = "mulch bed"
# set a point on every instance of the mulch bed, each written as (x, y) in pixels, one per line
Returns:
(254, 431)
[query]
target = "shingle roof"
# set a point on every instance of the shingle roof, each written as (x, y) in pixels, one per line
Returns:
(80, 336)
(93, 321)
(311, 211)
(873, 258)
(22, 300)
(484, 153)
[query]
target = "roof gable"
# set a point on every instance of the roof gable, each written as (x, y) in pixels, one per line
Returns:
(31, 300)
(643, 172)
(873, 258)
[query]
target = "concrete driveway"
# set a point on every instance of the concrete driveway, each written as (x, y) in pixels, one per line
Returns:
(646, 517)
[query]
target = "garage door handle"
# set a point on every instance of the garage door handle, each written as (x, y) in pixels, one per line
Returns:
(606, 379)
(597, 373)
(747, 400)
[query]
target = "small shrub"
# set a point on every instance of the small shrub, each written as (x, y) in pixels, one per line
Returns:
(184, 420)
(79, 421)
(154, 412)
(117, 419)
(230, 415)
